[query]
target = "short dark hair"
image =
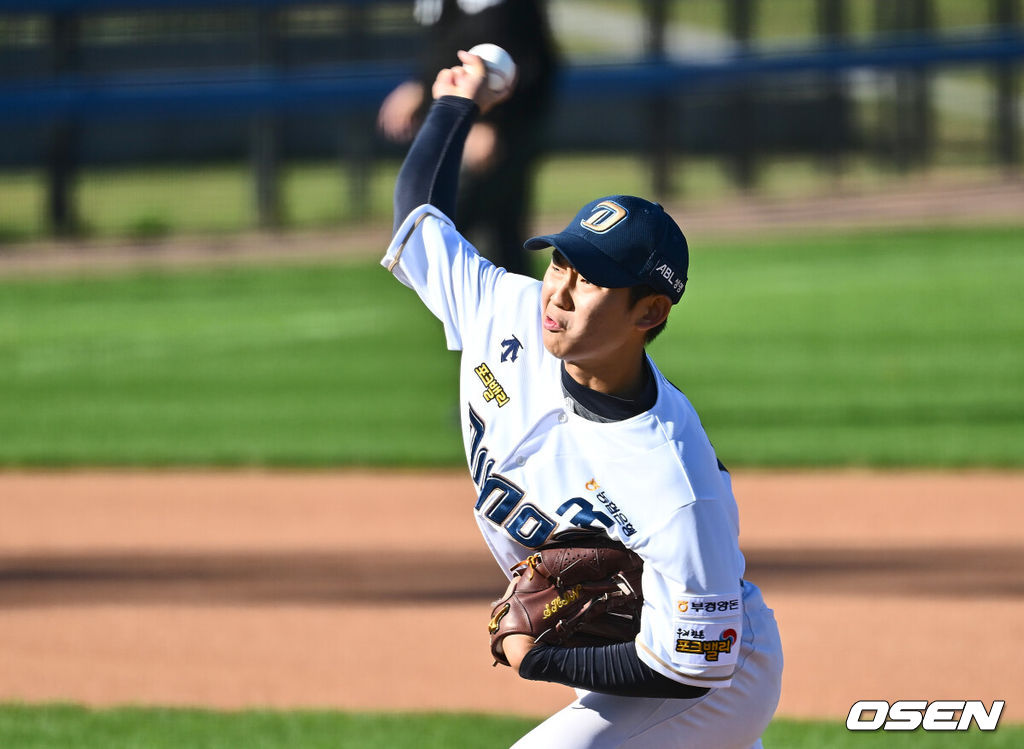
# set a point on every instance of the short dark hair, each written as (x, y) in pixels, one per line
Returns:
(642, 291)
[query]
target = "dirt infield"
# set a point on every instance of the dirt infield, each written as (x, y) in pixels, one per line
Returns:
(284, 590)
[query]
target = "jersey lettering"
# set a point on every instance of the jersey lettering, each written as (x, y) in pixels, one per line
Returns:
(476, 432)
(586, 515)
(501, 495)
(479, 465)
(499, 499)
(530, 526)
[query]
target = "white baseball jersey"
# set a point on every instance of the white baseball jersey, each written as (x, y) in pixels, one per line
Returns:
(652, 481)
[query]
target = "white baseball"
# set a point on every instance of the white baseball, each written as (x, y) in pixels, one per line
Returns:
(501, 68)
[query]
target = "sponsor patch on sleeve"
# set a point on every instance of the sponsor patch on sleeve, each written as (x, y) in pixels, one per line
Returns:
(690, 607)
(703, 643)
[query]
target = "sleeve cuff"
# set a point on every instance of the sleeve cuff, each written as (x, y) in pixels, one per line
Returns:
(707, 681)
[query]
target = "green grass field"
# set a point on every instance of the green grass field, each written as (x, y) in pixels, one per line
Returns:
(151, 202)
(62, 727)
(896, 348)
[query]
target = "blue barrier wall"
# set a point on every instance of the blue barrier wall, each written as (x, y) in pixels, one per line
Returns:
(59, 106)
(361, 86)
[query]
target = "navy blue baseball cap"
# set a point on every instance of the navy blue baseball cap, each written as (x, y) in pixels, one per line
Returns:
(620, 241)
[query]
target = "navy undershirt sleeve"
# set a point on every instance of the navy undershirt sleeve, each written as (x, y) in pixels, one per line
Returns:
(611, 669)
(430, 172)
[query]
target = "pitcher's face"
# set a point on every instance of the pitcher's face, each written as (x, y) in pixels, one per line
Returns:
(583, 323)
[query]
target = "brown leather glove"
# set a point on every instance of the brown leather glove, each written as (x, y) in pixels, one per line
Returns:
(571, 596)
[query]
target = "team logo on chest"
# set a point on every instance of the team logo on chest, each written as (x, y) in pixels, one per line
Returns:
(510, 349)
(493, 391)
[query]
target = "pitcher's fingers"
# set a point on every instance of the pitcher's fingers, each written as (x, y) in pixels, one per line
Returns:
(473, 63)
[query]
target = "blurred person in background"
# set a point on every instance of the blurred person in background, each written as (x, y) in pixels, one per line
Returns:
(503, 147)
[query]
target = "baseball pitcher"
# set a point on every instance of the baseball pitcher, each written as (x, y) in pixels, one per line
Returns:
(598, 491)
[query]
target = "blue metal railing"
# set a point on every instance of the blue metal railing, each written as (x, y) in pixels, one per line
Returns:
(355, 86)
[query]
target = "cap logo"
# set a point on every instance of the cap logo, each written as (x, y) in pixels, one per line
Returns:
(606, 214)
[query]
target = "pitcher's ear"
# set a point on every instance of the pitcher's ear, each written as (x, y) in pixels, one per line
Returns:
(653, 311)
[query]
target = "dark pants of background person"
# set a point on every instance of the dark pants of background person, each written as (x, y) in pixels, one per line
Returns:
(493, 206)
